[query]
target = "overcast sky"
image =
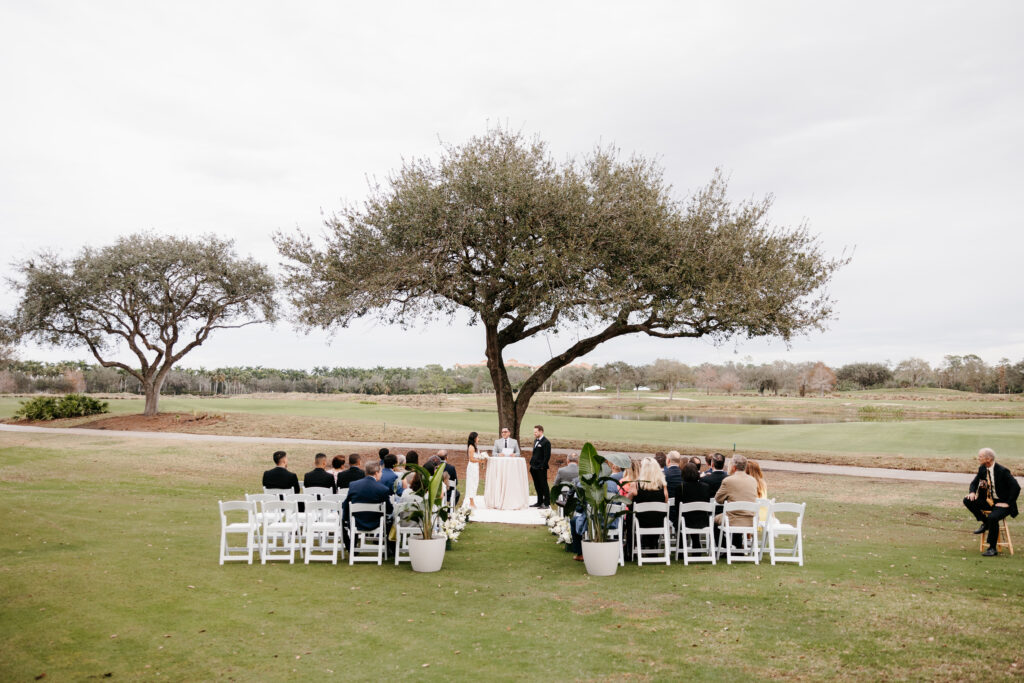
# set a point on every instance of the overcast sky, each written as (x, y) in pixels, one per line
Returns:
(891, 128)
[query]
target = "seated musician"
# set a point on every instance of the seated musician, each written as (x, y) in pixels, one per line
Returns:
(993, 496)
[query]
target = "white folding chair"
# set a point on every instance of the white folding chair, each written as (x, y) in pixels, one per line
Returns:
(323, 532)
(781, 527)
(748, 550)
(318, 492)
(705, 535)
(672, 525)
(615, 534)
(280, 531)
(661, 553)
(246, 526)
(303, 500)
(280, 493)
(367, 545)
(403, 535)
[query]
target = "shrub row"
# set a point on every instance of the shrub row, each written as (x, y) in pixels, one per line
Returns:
(53, 408)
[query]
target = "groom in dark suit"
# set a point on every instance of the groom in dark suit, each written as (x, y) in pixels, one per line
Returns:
(539, 467)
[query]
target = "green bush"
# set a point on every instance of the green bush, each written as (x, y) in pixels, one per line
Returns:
(52, 408)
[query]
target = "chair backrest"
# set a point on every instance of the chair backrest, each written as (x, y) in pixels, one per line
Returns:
(280, 493)
(650, 507)
(320, 509)
(246, 506)
(318, 491)
(707, 508)
(306, 498)
(353, 508)
(261, 497)
(741, 506)
(334, 497)
(274, 507)
(789, 508)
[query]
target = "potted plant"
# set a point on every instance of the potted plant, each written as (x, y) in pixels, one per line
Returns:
(426, 554)
(594, 500)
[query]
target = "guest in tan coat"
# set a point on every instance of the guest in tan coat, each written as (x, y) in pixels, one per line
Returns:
(737, 487)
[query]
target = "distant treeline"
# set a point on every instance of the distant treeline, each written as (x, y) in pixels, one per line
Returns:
(966, 373)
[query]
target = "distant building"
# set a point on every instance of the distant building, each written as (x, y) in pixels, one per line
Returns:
(595, 387)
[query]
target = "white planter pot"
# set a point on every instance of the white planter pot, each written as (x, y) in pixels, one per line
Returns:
(426, 556)
(601, 559)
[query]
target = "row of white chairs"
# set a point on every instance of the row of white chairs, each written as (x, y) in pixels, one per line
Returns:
(274, 527)
(698, 544)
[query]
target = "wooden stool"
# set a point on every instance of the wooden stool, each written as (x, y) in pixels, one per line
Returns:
(1004, 538)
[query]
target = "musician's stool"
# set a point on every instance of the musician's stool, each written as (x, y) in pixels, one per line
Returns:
(1004, 538)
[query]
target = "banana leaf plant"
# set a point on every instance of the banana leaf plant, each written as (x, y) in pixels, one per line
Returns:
(593, 496)
(429, 505)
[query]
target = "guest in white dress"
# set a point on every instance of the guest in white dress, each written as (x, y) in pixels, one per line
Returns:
(474, 458)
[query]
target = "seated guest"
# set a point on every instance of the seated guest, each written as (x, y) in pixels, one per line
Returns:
(381, 453)
(337, 465)
(353, 473)
(737, 487)
(717, 475)
(400, 465)
(673, 479)
(368, 489)
(412, 458)
(565, 475)
(707, 465)
(410, 485)
(432, 463)
(995, 482)
(448, 467)
(627, 482)
(279, 477)
(661, 459)
(694, 490)
(318, 476)
(387, 474)
(650, 488)
(695, 459)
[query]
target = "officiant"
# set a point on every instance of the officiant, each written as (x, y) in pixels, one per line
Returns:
(506, 445)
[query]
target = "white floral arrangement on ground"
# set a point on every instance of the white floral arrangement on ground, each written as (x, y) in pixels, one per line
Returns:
(456, 522)
(560, 529)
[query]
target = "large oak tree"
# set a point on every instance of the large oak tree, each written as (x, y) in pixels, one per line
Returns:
(528, 246)
(160, 297)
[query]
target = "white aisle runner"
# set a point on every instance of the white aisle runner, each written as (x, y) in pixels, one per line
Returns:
(481, 513)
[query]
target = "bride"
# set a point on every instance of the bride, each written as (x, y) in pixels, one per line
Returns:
(472, 469)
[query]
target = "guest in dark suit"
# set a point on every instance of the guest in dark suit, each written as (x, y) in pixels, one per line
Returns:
(673, 481)
(380, 455)
(368, 489)
(694, 490)
(279, 477)
(318, 476)
(353, 473)
(539, 460)
(995, 480)
(387, 474)
(566, 475)
(452, 476)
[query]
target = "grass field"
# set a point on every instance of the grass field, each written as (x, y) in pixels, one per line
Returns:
(943, 444)
(109, 569)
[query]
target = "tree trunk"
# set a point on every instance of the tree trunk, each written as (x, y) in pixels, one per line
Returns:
(152, 398)
(506, 402)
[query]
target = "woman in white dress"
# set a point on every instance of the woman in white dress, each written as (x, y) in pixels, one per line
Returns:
(474, 459)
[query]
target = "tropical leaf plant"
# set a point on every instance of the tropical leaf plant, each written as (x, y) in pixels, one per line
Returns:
(600, 505)
(430, 505)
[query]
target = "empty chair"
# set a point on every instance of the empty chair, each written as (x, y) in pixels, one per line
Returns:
(367, 545)
(280, 531)
(659, 552)
(747, 530)
(696, 543)
(243, 521)
(318, 492)
(323, 537)
(790, 524)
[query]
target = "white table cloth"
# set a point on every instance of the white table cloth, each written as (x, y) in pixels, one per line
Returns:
(506, 487)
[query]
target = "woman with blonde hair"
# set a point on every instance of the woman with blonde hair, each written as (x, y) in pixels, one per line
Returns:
(754, 470)
(650, 487)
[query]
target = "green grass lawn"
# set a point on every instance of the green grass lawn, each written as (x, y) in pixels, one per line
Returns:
(109, 565)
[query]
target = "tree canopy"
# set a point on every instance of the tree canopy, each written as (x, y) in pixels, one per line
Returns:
(528, 246)
(160, 297)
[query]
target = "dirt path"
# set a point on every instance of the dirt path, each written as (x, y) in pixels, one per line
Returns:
(797, 467)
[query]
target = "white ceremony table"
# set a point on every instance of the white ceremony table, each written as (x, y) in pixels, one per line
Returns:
(505, 487)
